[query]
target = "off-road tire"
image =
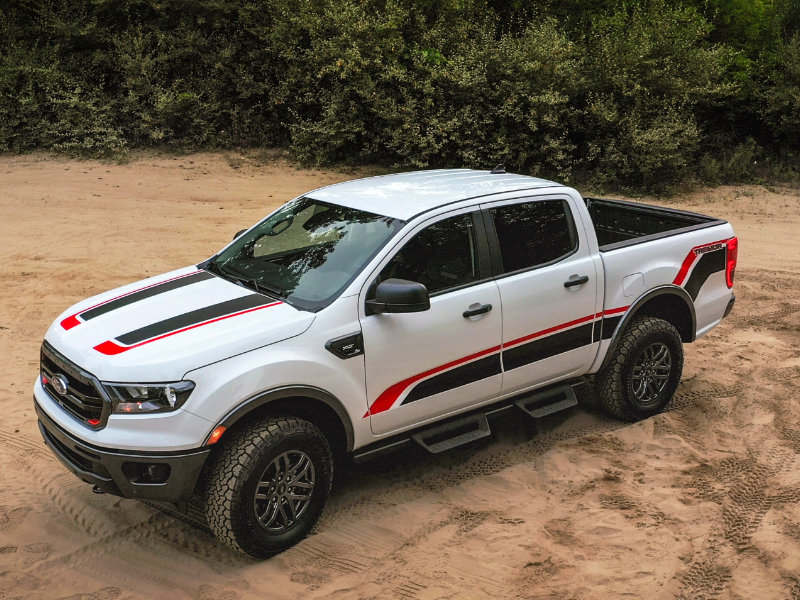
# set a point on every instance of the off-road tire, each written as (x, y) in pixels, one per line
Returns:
(235, 478)
(616, 384)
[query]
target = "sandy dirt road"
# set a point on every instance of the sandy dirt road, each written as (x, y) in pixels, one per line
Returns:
(699, 502)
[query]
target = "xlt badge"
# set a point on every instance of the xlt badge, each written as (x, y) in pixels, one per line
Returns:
(346, 346)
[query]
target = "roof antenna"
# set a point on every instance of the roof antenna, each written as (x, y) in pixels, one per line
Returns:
(498, 170)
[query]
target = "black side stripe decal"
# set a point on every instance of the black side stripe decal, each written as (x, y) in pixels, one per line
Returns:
(468, 373)
(146, 293)
(513, 358)
(192, 318)
(709, 263)
(609, 326)
(542, 348)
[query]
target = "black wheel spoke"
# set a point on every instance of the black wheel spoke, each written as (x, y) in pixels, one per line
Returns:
(650, 373)
(286, 520)
(269, 515)
(302, 485)
(284, 491)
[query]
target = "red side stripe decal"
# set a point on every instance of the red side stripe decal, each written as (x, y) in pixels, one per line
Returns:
(390, 396)
(548, 331)
(111, 347)
(387, 399)
(72, 320)
(690, 259)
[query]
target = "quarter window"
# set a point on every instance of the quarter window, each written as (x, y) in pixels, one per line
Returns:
(441, 256)
(534, 233)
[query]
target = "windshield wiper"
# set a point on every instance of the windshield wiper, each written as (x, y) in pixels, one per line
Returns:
(270, 289)
(261, 288)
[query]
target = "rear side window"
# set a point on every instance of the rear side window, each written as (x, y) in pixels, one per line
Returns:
(534, 233)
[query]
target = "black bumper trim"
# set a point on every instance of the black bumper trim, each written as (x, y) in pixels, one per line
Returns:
(104, 467)
(729, 308)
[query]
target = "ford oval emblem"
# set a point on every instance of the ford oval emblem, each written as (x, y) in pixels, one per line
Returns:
(60, 384)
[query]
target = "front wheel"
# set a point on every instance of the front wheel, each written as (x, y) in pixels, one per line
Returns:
(268, 485)
(643, 372)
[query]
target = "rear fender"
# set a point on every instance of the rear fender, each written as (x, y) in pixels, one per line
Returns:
(636, 309)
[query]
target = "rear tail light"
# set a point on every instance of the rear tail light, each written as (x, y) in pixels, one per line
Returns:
(730, 262)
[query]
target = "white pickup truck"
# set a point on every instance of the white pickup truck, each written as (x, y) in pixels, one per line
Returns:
(367, 315)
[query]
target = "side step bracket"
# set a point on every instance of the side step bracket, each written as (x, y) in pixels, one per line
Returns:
(441, 438)
(549, 402)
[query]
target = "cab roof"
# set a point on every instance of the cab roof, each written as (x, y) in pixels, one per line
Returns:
(405, 195)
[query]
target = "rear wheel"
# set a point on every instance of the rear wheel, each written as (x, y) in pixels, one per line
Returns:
(268, 485)
(643, 372)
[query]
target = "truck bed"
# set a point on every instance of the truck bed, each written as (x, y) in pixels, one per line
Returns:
(618, 223)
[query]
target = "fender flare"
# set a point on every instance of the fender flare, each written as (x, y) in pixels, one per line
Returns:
(665, 290)
(263, 398)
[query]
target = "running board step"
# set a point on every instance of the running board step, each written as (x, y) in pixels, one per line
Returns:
(546, 403)
(455, 433)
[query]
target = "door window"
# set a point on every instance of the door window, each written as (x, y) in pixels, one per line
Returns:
(441, 256)
(533, 234)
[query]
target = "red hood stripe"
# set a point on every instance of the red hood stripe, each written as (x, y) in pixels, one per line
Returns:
(73, 321)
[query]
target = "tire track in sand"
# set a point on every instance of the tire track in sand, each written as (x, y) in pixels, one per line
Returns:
(740, 486)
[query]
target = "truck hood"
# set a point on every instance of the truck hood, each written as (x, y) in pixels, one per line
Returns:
(160, 328)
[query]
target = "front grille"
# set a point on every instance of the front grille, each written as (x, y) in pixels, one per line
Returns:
(83, 399)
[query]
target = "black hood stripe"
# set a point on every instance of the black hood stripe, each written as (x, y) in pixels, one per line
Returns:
(185, 322)
(207, 313)
(134, 296)
(148, 292)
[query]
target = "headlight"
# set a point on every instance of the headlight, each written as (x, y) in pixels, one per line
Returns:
(137, 398)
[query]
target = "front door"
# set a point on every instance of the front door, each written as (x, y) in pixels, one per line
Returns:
(423, 365)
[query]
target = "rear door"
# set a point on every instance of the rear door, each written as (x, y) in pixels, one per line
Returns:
(548, 288)
(423, 365)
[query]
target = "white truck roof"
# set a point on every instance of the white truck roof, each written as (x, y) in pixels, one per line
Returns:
(405, 195)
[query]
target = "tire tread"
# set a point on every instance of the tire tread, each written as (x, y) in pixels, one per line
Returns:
(609, 381)
(239, 454)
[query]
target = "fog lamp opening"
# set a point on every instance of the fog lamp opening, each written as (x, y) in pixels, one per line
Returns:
(144, 473)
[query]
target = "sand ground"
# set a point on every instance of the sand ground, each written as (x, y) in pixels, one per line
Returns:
(699, 502)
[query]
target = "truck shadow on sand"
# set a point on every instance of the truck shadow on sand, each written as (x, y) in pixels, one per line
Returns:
(412, 473)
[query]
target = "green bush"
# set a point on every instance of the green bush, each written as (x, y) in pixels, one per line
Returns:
(386, 88)
(636, 94)
(780, 97)
(648, 74)
(730, 162)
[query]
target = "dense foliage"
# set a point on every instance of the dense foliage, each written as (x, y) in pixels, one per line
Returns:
(638, 93)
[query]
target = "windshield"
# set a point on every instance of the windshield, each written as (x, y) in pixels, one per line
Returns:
(306, 252)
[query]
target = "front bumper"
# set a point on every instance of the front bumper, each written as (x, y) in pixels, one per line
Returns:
(122, 472)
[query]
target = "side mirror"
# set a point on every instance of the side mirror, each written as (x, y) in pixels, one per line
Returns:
(399, 296)
(238, 233)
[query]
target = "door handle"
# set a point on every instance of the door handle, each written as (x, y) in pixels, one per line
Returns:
(573, 282)
(473, 312)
